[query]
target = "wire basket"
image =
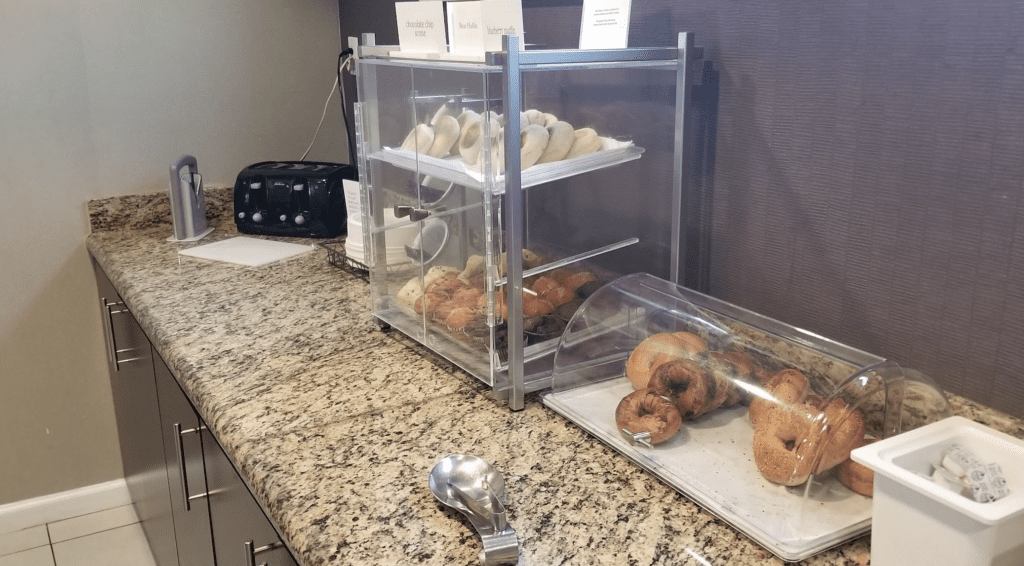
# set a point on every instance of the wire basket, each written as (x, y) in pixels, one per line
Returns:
(337, 257)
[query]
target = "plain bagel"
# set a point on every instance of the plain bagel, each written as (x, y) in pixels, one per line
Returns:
(587, 141)
(419, 139)
(446, 134)
(560, 140)
(533, 141)
(653, 351)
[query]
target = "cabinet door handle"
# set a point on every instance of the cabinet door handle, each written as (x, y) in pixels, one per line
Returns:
(108, 330)
(251, 551)
(179, 446)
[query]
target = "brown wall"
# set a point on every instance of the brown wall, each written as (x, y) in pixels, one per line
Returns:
(867, 174)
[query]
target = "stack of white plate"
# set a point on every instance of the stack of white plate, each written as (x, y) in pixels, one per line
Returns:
(396, 239)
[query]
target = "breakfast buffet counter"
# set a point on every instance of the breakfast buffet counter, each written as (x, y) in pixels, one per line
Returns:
(335, 424)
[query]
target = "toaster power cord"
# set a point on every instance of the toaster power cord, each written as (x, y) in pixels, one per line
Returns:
(337, 85)
(342, 65)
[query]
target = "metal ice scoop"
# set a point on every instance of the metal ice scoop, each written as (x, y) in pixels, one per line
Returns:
(477, 490)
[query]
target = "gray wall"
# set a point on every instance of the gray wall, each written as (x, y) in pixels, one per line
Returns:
(867, 174)
(96, 100)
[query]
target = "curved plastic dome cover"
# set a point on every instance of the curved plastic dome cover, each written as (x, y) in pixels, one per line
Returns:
(748, 367)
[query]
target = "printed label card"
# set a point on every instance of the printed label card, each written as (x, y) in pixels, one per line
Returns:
(421, 27)
(502, 17)
(605, 24)
(466, 28)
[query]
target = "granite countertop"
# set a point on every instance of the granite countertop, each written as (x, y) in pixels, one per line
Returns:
(336, 424)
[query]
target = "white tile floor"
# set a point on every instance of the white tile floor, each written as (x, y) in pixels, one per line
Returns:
(111, 537)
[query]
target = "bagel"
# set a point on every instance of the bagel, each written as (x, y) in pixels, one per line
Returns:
(783, 445)
(586, 141)
(731, 369)
(471, 138)
(419, 139)
(645, 411)
(534, 117)
(561, 136)
(533, 141)
(858, 477)
(692, 343)
(719, 390)
(841, 428)
(648, 354)
(467, 116)
(549, 119)
(686, 384)
(524, 121)
(446, 134)
(441, 113)
(785, 388)
(746, 369)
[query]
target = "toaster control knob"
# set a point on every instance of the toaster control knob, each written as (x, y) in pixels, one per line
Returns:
(283, 217)
(241, 215)
(300, 219)
(257, 217)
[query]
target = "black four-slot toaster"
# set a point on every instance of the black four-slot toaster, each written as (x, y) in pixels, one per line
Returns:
(292, 198)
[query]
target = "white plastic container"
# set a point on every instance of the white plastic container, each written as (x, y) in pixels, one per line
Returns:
(404, 234)
(916, 521)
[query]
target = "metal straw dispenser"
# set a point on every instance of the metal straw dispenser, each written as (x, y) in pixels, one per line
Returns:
(188, 205)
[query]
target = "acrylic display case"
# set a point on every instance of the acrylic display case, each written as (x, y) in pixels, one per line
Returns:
(483, 255)
(721, 368)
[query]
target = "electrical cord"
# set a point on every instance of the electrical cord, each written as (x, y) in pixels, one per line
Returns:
(322, 116)
(347, 63)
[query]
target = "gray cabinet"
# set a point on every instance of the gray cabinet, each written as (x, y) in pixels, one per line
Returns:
(242, 535)
(183, 451)
(194, 507)
(130, 360)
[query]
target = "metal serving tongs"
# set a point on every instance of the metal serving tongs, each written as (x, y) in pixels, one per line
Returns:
(477, 490)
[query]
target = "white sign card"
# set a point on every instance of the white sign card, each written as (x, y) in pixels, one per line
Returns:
(421, 27)
(605, 24)
(501, 17)
(466, 28)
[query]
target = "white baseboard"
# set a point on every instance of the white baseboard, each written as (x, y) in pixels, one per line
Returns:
(64, 505)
